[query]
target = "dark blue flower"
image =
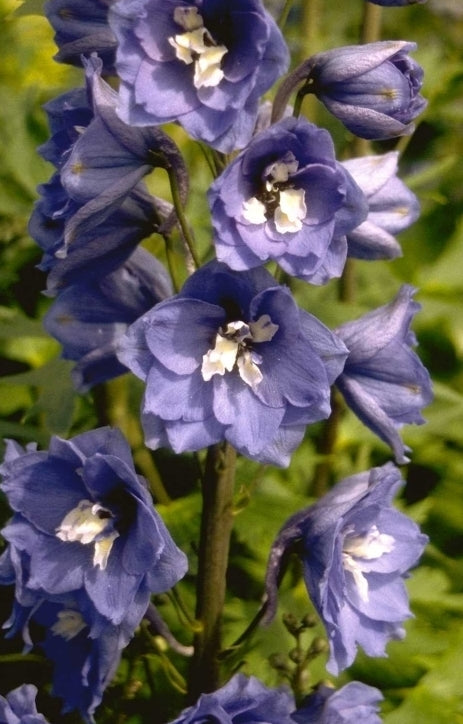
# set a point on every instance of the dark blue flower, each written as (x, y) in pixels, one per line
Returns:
(232, 357)
(286, 198)
(209, 61)
(83, 646)
(96, 206)
(84, 520)
(354, 703)
(81, 28)
(392, 207)
(243, 700)
(383, 381)
(18, 707)
(88, 318)
(96, 249)
(374, 89)
(356, 551)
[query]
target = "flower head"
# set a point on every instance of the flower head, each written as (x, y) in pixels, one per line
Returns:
(232, 357)
(373, 89)
(89, 317)
(354, 702)
(81, 28)
(383, 381)
(84, 521)
(356, 550)
(286, 198)
(209, 61)
(392, 207)
(243, 700)
(96, 206)
(18, 707)
(83, 646)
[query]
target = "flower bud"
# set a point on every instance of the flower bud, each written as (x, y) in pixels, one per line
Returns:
(372, 89)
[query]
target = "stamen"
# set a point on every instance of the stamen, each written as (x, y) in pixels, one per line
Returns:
(196, 45)
(233, 345)
(291, 211)
(364, 548)
(90, 523)
(278, 199)
(69, 624)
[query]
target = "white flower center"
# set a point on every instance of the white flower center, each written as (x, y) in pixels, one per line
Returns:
(90, 523)
(233, 345)
(358, 549)
(278, 199)
(69, 624)
(196, 45)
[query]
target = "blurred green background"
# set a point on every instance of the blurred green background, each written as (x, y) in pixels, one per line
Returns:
(421, 678)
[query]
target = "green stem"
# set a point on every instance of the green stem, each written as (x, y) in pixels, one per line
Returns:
(216, 527)
(186, 231)
(347, 283)
(311, 16)
(326, 447)
(285, 13)
(170, 257)
(370, 30)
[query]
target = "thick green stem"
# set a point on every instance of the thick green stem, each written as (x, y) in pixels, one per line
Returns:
(216, 527)
(370, 30)
(326, 448)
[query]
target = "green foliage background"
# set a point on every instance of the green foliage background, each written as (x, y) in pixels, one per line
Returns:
(421, 678)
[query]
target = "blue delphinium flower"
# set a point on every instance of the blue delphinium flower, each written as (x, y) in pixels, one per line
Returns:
(286, 198)
(109, 159)
(383, 381)
(96, 249)
(84, 520)
(209, 61)
(392, 207)
(353, 703)
(232, 357)
(89, 317)
(19, 707)
(243, 700)
(356, 551)
(81, 27)
(96, 205)
(373, 88)
(83, 646)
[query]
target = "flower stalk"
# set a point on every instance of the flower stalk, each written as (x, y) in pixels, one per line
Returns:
(216, 528)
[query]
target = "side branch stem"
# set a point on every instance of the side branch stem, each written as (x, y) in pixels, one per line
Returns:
(216, 527)
(182, 220)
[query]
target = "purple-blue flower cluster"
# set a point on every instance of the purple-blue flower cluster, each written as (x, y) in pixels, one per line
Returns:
(231, 356)
(86, 551)
(356, 551)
